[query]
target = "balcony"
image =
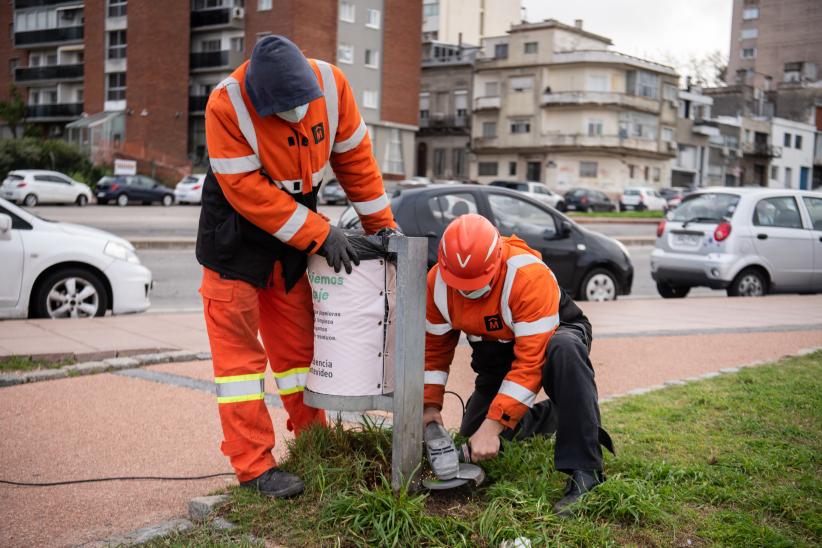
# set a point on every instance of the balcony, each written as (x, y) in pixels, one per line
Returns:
(487, 103)
(48, 36)
(582, 141)
(709, 128)
(610, 57)
(444, 122)
(197, 104)
(62, 73)
(215, 60)
(218, 17)
(762, 150)
(55, 112)
(21, 4)
(564, 98)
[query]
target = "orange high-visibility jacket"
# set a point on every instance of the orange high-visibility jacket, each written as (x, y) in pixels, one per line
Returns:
(523, 306)
(262, 163)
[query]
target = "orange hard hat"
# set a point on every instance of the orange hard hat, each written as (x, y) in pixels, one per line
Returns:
(470, 253)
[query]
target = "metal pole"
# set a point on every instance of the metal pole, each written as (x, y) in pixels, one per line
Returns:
(412, 254)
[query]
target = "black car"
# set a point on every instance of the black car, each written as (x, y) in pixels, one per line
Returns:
(126, 189)
(585, 199)
(588, 265)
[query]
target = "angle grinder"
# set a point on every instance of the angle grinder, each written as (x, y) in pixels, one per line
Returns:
(450, 464)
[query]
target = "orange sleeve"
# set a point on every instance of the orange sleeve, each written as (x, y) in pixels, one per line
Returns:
(354, 164)
(534, 303)
(250, 193)
(440, 343)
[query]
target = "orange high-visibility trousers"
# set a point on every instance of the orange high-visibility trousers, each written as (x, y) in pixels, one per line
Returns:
(235, 312)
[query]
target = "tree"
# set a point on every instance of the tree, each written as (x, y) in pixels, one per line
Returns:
(13, 111)
(708, 70)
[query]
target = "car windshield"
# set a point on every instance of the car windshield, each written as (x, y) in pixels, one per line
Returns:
(631, 192)
(108, 180)
(13, 177)
(189, 180)
(576, 193)
(706, 207)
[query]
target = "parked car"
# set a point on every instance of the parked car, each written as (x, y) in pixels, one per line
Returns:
(588, 265)
(332, 193)
(538, 191)
(674, 195)
(642, 199)
(62, 270)
(748, 241)
(190, 189)
(30, 187)
(125, 189)
(583, 199)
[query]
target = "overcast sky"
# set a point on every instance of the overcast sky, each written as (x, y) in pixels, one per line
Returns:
(655, 29)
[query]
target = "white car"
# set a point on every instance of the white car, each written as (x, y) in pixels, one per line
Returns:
(642, 199)
(31, 187)
(62, 270)
(748, 241)
(190, 189)
(537, 191)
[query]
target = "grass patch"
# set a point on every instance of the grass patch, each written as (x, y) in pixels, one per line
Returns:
(25, 363)
(618, 214)
(731, 461)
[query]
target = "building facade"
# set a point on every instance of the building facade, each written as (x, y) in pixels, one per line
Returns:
(468, 21)
(794, 167)
(132, 79)
(553, 103)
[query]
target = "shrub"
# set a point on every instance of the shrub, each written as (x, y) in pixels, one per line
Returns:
(53, 154)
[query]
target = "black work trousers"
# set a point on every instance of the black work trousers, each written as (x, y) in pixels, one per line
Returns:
(572, 411)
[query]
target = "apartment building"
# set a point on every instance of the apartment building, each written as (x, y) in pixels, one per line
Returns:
(132, 79)
(553, 103)
(468, 21)
(794, 167)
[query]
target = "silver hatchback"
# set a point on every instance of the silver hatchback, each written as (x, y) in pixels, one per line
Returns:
(749, 241)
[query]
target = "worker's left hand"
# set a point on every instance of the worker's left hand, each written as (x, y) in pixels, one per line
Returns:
(485, 441)
(389, 231)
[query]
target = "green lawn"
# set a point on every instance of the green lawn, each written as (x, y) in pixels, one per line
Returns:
(619, 214)
(731, 461)
(25, 363)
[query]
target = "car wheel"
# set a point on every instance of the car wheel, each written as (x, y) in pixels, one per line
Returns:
(667, 291)
(168, 199)
(751, 282)
(599, 285)
(82, 200)
(70, 293)
(122, 200)
(621, 207)
(30, 200)
(561, 205)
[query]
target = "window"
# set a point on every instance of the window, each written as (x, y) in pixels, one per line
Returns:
(750, 13)
(656, 174)
(116, 8)
(780, 212)
(116, 84)
(237, 43)
(425, 105)
(596, 82)
(461, 103)
(522, 83)
(788, 177)
(515, 216)
(13, 64)
(459, 162)
(492, 89)
(489, 129)
(345, 53)
(521, 126)
(797, 142)
(512, 168)
(488, 168)
(394, 159)
(372, 58)
(748, 53)
(749, 34)
(500, 51)
(632, 169)
(263, 5)
(588, 169)
(644, 84)
(786, 140)
(117, 44)
(668, 134)
(347, 12)
(370, 99)
(814, 206)
(439, 162)
(594, 127)
(211, 45)
(533, 171)
(531, 47)
(447, 207)
(373, 20)
(775, 172)
(431, 9)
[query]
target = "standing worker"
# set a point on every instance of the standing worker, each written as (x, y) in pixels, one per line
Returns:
(525, 333)
(272, 128)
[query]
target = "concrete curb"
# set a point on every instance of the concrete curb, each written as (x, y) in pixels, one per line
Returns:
(636, 240)
(103, 366)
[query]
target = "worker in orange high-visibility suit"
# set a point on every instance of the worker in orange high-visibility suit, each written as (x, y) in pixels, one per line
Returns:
(272, 129)
(525, 333)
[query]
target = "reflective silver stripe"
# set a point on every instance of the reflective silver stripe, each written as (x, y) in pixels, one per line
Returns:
(441, 297)
(317, 176)
(514, 263)
(437, 328)
(232, 166)
(518, 392)
(243, 117)
(240, 388)
(293, 224)
(353, 141)
(292, 382)
(542, 325)
(474, 338)
(435, 377)
(292, 186)
(331, 102)
(371, 206)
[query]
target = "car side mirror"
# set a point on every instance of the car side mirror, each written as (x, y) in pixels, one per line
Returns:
(5, 223)
(565, 228)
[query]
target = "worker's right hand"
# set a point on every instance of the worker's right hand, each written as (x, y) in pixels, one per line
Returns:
(338, 251)
(431, 414)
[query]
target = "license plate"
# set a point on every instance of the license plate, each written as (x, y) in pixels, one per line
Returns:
(627, 207)
(571, 207)
(689, 240)
(101, 194)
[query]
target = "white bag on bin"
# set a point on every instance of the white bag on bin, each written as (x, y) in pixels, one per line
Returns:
(353, 328)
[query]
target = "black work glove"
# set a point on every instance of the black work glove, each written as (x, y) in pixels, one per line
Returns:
(389, 231)
(338, 251)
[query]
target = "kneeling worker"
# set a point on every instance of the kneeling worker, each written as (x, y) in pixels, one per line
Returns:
(525, 333)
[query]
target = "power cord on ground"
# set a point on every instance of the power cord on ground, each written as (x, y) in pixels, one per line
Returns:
(117, 478)
(462, 402)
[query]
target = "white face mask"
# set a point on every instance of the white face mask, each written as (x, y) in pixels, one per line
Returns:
(295, 114)
(477, 293)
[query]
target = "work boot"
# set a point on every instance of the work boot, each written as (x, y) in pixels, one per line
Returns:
(276, 483)
(580, 482)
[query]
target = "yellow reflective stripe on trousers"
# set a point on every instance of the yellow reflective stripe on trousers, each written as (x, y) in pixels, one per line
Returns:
(240, 388)
(291, 381)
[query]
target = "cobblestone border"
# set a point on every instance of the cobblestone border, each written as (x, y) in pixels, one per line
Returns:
(103, 366)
